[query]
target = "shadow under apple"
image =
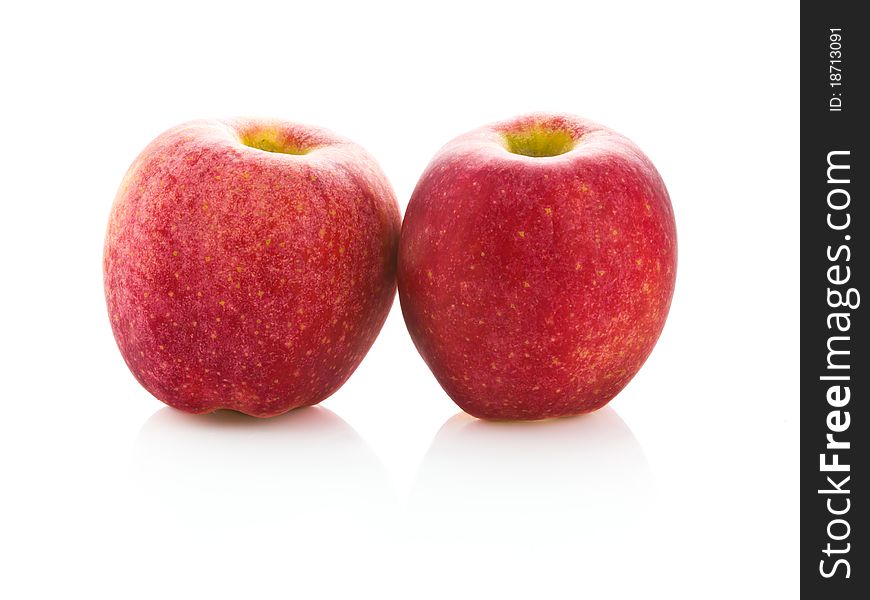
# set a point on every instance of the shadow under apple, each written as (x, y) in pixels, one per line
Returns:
(307, 471)
(548, 481)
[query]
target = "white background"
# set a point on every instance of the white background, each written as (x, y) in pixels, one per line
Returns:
(684, 487)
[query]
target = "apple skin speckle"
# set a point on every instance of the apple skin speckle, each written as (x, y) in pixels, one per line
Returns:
(244, 278)
(535, 286)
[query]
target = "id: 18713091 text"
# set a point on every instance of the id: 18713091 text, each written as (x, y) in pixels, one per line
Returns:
(835, 69)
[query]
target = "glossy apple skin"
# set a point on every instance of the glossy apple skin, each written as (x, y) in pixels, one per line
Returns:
(536, 287)
(244, 279)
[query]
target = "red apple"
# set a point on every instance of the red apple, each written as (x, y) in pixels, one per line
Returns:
(537, 265)
(249, 264)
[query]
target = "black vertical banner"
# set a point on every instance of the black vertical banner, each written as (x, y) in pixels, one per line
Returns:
(835, 367)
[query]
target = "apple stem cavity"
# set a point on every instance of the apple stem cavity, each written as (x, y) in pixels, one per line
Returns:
(272, 140)
(539, 141)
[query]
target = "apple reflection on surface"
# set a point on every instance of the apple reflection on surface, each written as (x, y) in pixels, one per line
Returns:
(299, 468)
(547, 479)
